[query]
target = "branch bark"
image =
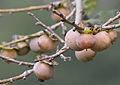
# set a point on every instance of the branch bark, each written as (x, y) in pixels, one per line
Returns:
(112, 19)
(24, 38)
(58, 53)
(16, 61)
(46, 27)
(21, 76)
(78, 16)
(25, 9)
(111, 26)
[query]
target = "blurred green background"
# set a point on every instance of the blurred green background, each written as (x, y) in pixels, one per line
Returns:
(103, 70)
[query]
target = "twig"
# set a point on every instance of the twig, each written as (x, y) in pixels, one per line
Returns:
(21, 76)
(65, 58)
(25, 9)
(62, 56)
(28, 8)
(111, 26)
(67, 21)
(64, 29)
(24, 38)
(46, 27)
(112, 19)
(78, 16)
(62, 50)
(16, 61)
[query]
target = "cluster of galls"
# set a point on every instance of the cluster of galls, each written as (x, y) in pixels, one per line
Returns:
(42, 44)
(87, 45)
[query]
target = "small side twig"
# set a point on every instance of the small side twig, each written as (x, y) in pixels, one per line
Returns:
(65, 58)
(16, 61)
(62, 50)
(62, 56)
(21, 76)
(111, 26)
(64, 29)
(112, 19)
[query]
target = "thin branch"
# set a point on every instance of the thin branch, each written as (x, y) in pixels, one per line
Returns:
(78, 16)
(28, 8)
(24, 38)
(64, 29)
(62, 56)
(21, 76)
(62, 50)
(24, 9)
(46, 27)
(65, 58)
(16, 61)
(112, 19)
(111, 26)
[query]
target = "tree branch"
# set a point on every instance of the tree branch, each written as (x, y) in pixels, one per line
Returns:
(78, 16)
(24, 38)
(65, 58)
(16, 61)
(111, 26)
(21, 76)
(46, 27)
(58, 53)
(112, 19)
(25, 9)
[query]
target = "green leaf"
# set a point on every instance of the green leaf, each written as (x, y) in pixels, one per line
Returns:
(88, 6)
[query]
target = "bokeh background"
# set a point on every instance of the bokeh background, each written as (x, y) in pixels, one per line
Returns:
(103, 70)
